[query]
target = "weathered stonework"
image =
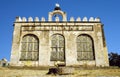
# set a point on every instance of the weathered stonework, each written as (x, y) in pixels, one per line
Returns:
(70, 30)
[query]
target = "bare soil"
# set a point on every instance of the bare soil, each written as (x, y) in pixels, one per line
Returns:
(38, 72)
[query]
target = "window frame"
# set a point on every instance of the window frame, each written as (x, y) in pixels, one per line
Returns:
(29, 40)
(83, 54)
(60, 50)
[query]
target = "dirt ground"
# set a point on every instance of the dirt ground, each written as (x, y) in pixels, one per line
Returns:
(101, 72)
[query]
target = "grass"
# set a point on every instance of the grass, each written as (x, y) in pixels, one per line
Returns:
(98, 72)
(42, 71)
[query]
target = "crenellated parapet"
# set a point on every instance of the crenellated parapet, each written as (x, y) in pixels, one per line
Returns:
(57, 19)
(85, 19)
(57, 15)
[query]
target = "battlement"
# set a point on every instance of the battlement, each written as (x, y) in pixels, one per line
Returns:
(42, 19)
(57, 16)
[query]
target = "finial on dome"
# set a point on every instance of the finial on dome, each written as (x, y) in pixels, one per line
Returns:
(57, 7)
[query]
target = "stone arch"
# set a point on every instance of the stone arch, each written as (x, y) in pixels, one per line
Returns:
(29, 48)
(85, 47)
(57, 47)
(63, 14)
(30, 34)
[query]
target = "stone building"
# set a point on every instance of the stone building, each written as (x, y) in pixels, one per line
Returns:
(4, 62)
(74, 42)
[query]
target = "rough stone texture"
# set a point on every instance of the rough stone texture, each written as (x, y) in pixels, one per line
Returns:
(66, 70)
(70, 31)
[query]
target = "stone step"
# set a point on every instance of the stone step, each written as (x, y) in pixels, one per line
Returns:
(61, 70)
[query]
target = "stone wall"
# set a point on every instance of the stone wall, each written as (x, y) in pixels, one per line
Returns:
(70, 30)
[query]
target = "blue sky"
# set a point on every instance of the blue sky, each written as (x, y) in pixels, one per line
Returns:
(107, 10)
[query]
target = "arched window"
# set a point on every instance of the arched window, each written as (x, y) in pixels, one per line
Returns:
(85, 48)
(30, 48)
(58, 48)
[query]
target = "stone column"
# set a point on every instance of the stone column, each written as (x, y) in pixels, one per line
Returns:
(50, 16)
(99, 46)
(15, 45)
(70, 49)
(105, 53)
(44, 51)
(64, 17)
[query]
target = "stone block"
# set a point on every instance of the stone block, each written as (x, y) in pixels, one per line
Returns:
(65, 70)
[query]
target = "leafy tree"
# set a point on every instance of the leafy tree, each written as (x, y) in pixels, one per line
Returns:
(114, 59)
